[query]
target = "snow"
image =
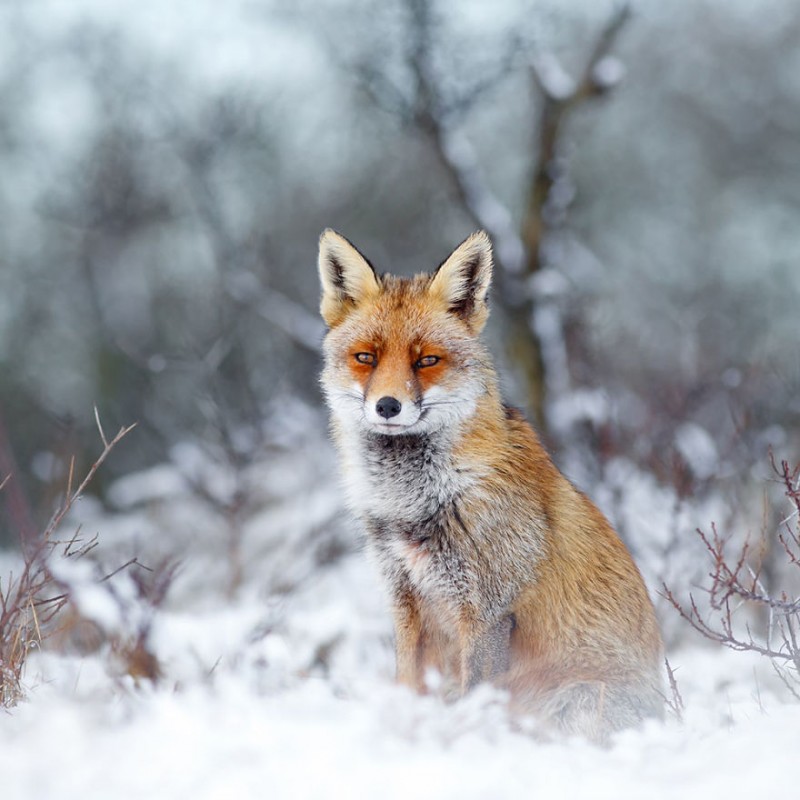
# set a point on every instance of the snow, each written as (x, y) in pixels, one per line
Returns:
(283, 687)
(159, 481)
(698, 449)
(555, 81)
(608, 72)
(356, 735)
(589, 405)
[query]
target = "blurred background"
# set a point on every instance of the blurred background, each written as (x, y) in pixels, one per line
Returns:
(166, 169)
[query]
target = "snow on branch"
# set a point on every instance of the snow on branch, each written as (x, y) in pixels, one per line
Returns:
(458, 157)
(561, 94)
(432, 114)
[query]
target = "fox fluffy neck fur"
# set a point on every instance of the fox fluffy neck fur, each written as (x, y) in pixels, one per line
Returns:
(498, 568)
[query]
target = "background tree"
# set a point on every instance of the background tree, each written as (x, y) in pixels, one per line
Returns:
(162, 196)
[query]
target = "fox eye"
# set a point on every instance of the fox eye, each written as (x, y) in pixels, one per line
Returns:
(427, 361)
(365, 358)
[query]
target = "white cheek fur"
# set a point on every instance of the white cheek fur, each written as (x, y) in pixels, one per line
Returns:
(442, 407)
(346, 404)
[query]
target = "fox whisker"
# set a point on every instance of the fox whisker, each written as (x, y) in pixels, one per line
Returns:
(432, 403)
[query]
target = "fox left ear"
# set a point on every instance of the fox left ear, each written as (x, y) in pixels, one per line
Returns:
(462, 281)
(347, 277)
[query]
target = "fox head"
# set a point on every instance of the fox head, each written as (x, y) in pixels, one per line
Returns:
(402, 355)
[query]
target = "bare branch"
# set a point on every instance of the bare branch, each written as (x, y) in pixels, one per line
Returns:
(591, 83)
(675, 702)
(71, 498)
(382, 91)
(100, 427)
(735, 583)
(71, 475)
(130, 563)
(465, 100)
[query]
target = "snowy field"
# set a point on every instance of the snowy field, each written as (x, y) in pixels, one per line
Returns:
(282, 685)
(273, 645)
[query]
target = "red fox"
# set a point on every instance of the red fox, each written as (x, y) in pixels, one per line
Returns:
(499, 569)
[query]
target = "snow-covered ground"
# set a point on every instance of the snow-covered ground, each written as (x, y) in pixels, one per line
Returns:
(282, 687)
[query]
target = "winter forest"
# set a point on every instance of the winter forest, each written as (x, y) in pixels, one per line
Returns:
(186, 605)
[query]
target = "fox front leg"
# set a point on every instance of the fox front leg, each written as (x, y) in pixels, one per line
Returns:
(486, 655)
(408, 640)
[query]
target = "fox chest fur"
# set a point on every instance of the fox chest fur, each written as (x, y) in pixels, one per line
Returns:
(423, 514)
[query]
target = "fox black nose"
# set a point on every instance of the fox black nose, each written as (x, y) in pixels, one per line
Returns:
(388, 407)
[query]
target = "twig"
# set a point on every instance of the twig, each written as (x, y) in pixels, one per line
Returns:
(71, 475)
(35, 619)
(100, 427)
(71, 498)
(130, 563)
(675, 703)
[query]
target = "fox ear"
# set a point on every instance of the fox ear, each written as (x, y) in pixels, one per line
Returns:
(347, 277)
(462, 281)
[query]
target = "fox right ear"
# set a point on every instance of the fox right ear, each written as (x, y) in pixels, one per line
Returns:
(347, 277)
(462, 281)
